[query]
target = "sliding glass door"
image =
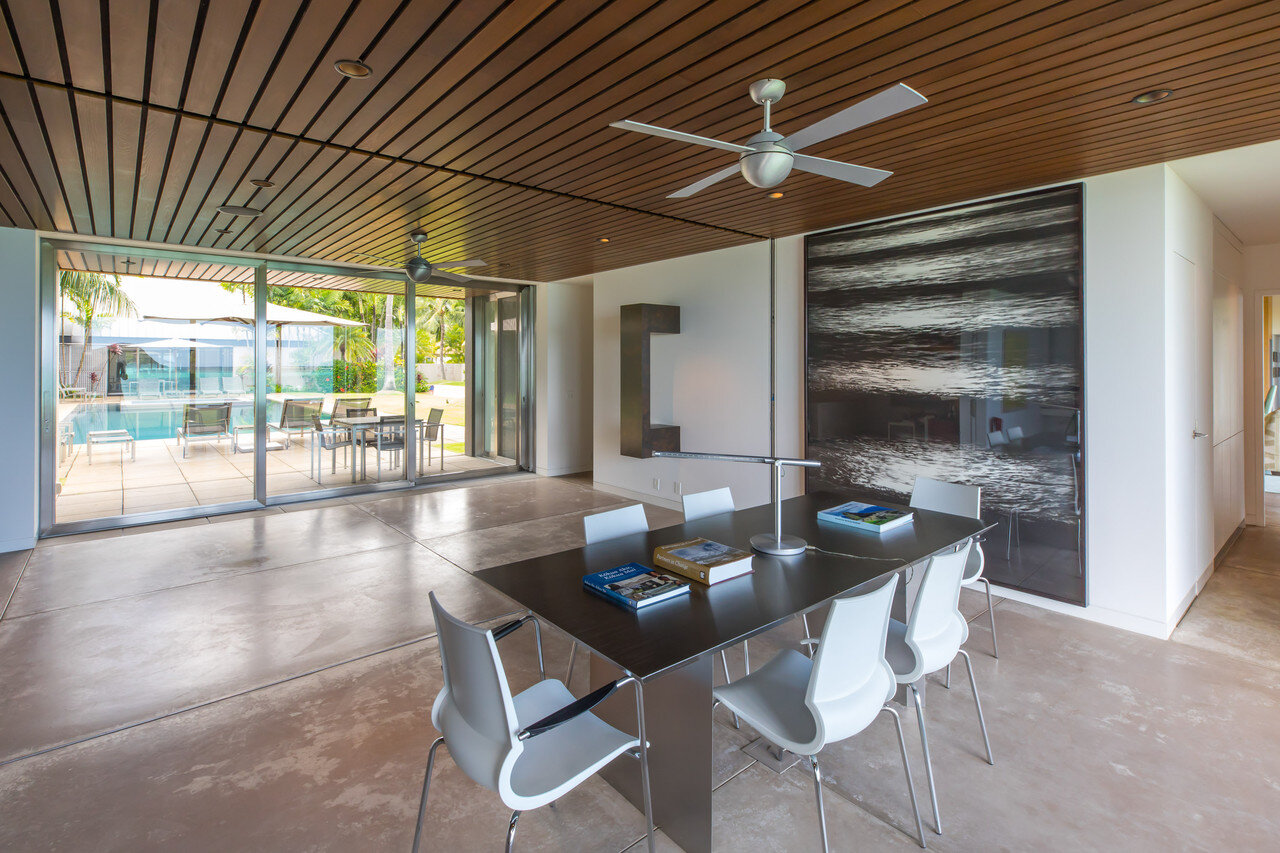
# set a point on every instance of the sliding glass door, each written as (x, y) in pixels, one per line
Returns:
(501, 385)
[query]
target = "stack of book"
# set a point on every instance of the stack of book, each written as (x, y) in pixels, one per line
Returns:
(703, 560)
(635, 586)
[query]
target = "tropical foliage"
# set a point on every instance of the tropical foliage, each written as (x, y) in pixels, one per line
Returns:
(90, 296)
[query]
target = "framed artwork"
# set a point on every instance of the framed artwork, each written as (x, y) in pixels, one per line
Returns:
(949, 344)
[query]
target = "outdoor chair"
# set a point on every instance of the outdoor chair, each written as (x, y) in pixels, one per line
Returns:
(386, 437)
(204, 422)
(148, 387)
(432, 431)
(210, 385)
(295, 417)
(327, 437)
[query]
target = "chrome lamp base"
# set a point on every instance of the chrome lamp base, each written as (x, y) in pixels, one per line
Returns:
(780, 546)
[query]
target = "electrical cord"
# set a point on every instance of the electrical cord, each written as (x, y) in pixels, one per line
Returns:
(909, 566)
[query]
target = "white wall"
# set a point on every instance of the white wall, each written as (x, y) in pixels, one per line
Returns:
(711, 380)
(19, 385)
(563, 378)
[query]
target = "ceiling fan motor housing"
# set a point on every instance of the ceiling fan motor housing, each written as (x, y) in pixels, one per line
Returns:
(768, 162)
(418, 270)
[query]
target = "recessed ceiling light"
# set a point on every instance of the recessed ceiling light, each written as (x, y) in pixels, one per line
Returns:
(222, 230)
(238, 210)
(604, 239)
(265, 184)
(1153, 96)
(352, 68)
(776, 195)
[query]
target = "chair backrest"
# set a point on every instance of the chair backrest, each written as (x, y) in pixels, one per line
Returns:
(951, 498)
(206, 419)
(703, 504)
(342, 408)
(615, 523)
(297, 413)
(1015, 433)
(431, 429)
(369, 412)
(149, 387)
(210, 383)
(851, 680)
(474, 710)
(936, 628)
(996, 438)
(434, 416)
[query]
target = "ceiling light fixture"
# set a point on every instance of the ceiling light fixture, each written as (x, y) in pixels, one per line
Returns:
(239, 210)
(353, 68)
(263, 183)
(604, 239)
(1153, 96)
(222, 230)
(776, 195)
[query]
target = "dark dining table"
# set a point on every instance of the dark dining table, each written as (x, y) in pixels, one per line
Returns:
(669, 647)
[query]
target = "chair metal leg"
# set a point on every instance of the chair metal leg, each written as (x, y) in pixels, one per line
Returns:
(804, 620)
(511, 830)
(426, 786)
(947, 683)
(568, 673)
(817, 788)
(746, 657)
(928, 764)
(991, 613)
(537, 635)
(977, 703)
(724, 661)
(911, 786)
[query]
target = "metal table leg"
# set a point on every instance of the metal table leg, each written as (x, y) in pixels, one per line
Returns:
(677, 710)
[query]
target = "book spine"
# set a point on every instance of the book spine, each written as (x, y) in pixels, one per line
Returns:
(613, 596)
(848, 522)
(684, 568)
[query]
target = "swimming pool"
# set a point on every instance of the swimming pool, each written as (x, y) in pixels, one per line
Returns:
(149, 419)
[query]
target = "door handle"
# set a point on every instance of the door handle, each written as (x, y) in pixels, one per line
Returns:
(1197, 434)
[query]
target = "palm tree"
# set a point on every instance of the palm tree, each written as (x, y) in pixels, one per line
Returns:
(443, 319)
(92, 295)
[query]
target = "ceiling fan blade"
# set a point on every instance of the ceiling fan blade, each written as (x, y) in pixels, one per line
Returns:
(374, 257)
(678, 136)
(862, 175)
(713, 178)
(467, 263)
(891, 101)
(448, 276)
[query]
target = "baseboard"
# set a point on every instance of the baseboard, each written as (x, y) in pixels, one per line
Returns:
(1092, 613)
(637, 496)
(7, 545)
(561, 472)
(1231, 540)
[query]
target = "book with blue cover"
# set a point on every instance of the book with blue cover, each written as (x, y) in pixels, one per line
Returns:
(869, 517)
(635, 586)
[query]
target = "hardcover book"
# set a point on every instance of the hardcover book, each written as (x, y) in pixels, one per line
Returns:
(703, 560)
(635, 586)
(860, 516)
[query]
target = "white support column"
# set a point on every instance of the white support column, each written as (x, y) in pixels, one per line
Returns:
(20, 386)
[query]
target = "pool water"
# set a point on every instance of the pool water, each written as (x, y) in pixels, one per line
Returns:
(149, 420)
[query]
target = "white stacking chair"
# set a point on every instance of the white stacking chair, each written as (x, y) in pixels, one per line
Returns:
(930, 641)
(701, 505)
(803, 704)
(531, 748)
(600, 527)
(997, 438)
(958, 499)
(1015, 434)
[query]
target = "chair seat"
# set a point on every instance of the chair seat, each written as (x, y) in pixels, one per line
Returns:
(554, 763)
(771, 700)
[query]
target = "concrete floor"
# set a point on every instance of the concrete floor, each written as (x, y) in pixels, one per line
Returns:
(263, 683)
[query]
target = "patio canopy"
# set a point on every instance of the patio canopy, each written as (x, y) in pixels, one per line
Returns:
(195, 302)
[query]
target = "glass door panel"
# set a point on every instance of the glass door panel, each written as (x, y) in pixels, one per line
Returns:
(335, 387)
(154, 376)
(497, 394)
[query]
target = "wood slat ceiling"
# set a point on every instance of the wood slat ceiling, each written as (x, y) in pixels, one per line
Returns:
(486, 122)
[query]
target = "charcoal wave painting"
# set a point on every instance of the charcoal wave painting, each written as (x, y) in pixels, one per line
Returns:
(949, 345)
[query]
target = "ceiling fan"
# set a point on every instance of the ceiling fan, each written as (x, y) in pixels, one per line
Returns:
(420, 270)
(768, 157)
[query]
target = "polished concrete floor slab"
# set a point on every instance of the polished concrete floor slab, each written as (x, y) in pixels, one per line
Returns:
(238, 701)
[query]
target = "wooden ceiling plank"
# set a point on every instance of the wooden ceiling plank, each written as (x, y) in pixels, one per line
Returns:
(35, 38)
(56, 122)
(267, 29)
(170, 49)
(215, 146)
(93, 153)
(127, 45)
(81, 32)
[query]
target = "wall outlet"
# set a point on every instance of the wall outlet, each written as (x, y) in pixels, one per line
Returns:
(657, 484)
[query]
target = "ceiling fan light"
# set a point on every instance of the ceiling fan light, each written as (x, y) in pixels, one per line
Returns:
(766, 169)
(418, 270)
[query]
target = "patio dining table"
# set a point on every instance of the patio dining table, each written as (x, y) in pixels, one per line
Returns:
(356, 425)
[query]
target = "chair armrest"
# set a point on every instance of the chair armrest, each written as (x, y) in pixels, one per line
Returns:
(513, 625)
(570, 711)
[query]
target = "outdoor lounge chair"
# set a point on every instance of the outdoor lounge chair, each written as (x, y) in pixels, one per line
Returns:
(296, 415)
(210, 385)
(343, 408)
(204, 422)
